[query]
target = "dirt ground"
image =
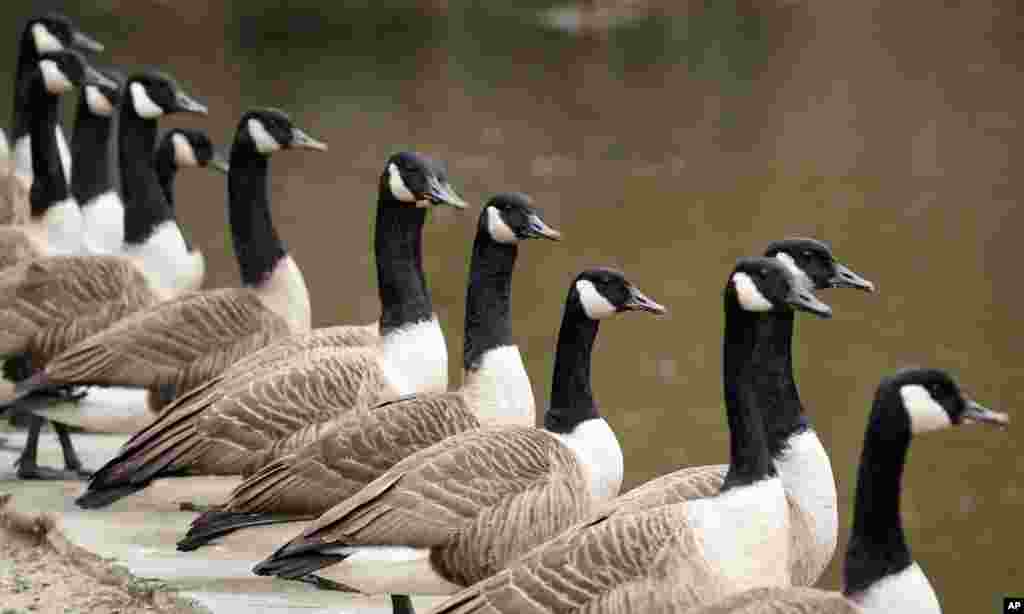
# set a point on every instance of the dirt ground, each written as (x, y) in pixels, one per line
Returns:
(35, 578)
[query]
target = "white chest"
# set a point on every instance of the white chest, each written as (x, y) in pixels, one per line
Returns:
(908, 592)
(61, 224)
(103, 224)
(166, 261)
(598, 451)
(806, 474)
(744, 534)
(499, 389)
(416, 358)
(285, 294)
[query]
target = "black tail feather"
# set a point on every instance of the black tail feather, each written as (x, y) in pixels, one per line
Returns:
(95, 499)
(212, 525)
(296, 567)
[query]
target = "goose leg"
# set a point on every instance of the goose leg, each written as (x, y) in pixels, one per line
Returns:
(28, 467)
(401, 604)
(71, 460)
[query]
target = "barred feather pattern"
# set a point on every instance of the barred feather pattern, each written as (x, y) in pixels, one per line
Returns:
(349, 452)
(152, 346)
(602, 565)
(769, 600)
(14, 196)
(16, 246)
(50, 304)
(479, 499)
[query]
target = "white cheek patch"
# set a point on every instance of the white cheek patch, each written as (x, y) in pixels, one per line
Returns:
(595, 305)
(498, 229)
(398, 188)
(926, 414)
(45, 42)
(143, 104)
(56, 81)
(98, 103)
(797, 272)
(265, 143)
(750, 297)
(184, 155)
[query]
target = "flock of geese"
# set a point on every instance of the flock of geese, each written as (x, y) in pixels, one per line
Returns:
(395, 484)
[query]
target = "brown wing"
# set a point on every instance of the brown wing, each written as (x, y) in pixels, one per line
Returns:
(14, 195)
(48, 305)
(350, 452)
(255, 415)
(601, 565)
(152, 346)
(16, 247)
(781, 601)
(676, 487)
(481, 498)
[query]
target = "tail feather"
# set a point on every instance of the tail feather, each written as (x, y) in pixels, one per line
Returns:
(95, 499)
(296, 567)
(212, 525)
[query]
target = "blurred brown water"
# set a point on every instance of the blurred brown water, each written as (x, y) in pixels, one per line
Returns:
(688, 136)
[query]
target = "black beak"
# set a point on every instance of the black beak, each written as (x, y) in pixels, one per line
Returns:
(802, 299)
(536, 228)
(219, 162)
(638, 301)
(85, 43)
(301, 140)
(95, 77)
(845, 278)
(441, 193)
(188, 104)
(978, 414)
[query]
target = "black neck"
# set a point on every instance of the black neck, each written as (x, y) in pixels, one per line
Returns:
(257, 246)
(877, 545)
(398, 237)
(776, 395)
(91, 166)
(488, 297)
(28, 58)
(572, 400)
(746, 348)
(164, 162)
(145, 207)
(49, 185)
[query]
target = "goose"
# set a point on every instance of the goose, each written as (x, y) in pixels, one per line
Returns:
(734, 540)
(189, 338)
(879, 576)
(496, 390)
(59, 283)
(197, 434)
(55, 223)
(801, 459)
(459, 510)
(41, 34)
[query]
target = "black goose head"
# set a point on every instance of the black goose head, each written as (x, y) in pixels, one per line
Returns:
(153, 94)
(603, 292)
(814, 259)
(415, 180)
(64, 70)
(929, 400)
(102, 100)
(511, 217)
(768, 285)
(55, 32)
(270, 130)
(193, 149)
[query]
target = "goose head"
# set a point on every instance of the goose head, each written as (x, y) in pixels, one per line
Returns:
(66, 69)
(511, 217)
(269, 130)
(768, 285)
(416, 180)
(603, 292)
(55, 32)
(102, 99)
(153, 94)
(193, 149)
(930, 400)
(813, 259)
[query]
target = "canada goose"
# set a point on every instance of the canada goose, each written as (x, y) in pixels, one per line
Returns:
(46, 33)
(184, 148)
(734, 540)
(802, 462)
(879, 575)
(458, 511)
(94, 168)
(496, 390)
(185, 340)
(55, 224)
(197, 434)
